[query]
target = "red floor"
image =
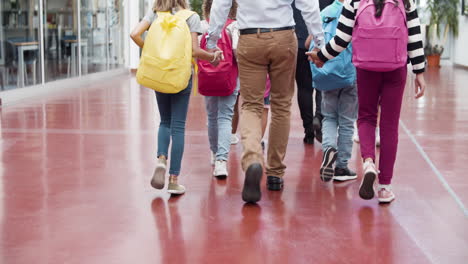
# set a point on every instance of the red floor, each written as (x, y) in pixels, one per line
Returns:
(74, 188)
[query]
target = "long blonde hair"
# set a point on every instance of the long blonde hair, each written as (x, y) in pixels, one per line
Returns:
(168, 5)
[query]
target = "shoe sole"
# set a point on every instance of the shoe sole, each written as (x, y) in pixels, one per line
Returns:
(158, 179)
(221, 176)
(251, 192)
(326, 170)
(344, 178)
(175, 192)
(386, 200)
(366, 191)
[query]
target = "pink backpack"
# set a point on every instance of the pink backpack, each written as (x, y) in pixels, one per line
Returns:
(380, 43)
(220, 80)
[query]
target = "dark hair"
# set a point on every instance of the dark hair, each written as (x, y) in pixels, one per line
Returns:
(207, 7)
(379, 6)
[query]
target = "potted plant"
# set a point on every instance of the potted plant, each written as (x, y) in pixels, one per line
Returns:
(443, 14)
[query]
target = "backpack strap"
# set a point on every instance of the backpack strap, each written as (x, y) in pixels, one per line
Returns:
(184, 14)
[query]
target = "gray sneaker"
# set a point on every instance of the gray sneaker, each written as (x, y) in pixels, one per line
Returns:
(174, 187)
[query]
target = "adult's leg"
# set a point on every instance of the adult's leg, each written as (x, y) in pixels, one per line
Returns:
(253, 65)
(282, 54)
(305, 92)
(392, 96)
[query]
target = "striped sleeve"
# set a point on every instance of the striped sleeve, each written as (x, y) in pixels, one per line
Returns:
(344, 32)
(415, 44)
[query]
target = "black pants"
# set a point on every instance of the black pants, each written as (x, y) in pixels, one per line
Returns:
(305, 92)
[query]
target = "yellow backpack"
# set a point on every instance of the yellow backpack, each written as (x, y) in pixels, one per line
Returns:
(165, 64)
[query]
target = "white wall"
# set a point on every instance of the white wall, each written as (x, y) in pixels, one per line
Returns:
(460, 53)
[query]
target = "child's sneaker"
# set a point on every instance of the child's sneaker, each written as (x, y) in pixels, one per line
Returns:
(326, 170)
(234, 139)
(220, 169)
(366, 190)
(174, 187)
(344, 174)
(159, 174)
(385, 194)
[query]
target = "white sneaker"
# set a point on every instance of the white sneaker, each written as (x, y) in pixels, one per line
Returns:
(366, 190)
(385, 194)
(234, 139)
(213, 158)
(220, 169)
(377, 137)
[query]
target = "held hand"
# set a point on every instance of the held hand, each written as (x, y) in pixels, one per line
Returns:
(217, 57)
(313, 57)
(420, 86)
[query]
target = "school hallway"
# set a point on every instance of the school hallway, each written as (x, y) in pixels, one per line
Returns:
(75, 188)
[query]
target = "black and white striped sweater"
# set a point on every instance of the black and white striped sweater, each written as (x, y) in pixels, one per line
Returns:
(345, 30)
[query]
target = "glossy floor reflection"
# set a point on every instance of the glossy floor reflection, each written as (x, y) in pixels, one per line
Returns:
(74, 188)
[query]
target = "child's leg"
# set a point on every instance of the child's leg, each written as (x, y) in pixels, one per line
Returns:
(211, 103)
(179, 108)
(164, 131)
(330, 101)
(392, 96)
(369, 85)
(225, 113)
(347, 114)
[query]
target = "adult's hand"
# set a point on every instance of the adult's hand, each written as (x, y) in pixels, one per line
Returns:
(313, 57)
(419, 86)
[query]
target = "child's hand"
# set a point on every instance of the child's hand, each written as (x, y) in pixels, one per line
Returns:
(419, 86)
(218, 56)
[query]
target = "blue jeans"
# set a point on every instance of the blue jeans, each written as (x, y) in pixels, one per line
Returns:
(220, 110)
(173, 111)
(339, 109)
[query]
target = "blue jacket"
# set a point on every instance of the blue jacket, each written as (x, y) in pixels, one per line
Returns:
(338, 72)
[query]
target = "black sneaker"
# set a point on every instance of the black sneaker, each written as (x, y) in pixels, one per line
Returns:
(309, 139)
(326, 171)
(344, 174)
(251, 192)
(317, 123)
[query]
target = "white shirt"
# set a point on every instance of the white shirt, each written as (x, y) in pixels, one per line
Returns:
(265, 14)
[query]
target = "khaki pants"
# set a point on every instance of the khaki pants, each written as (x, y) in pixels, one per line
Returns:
(273, 53)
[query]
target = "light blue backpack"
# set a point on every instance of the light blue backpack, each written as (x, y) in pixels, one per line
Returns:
(338, 72)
